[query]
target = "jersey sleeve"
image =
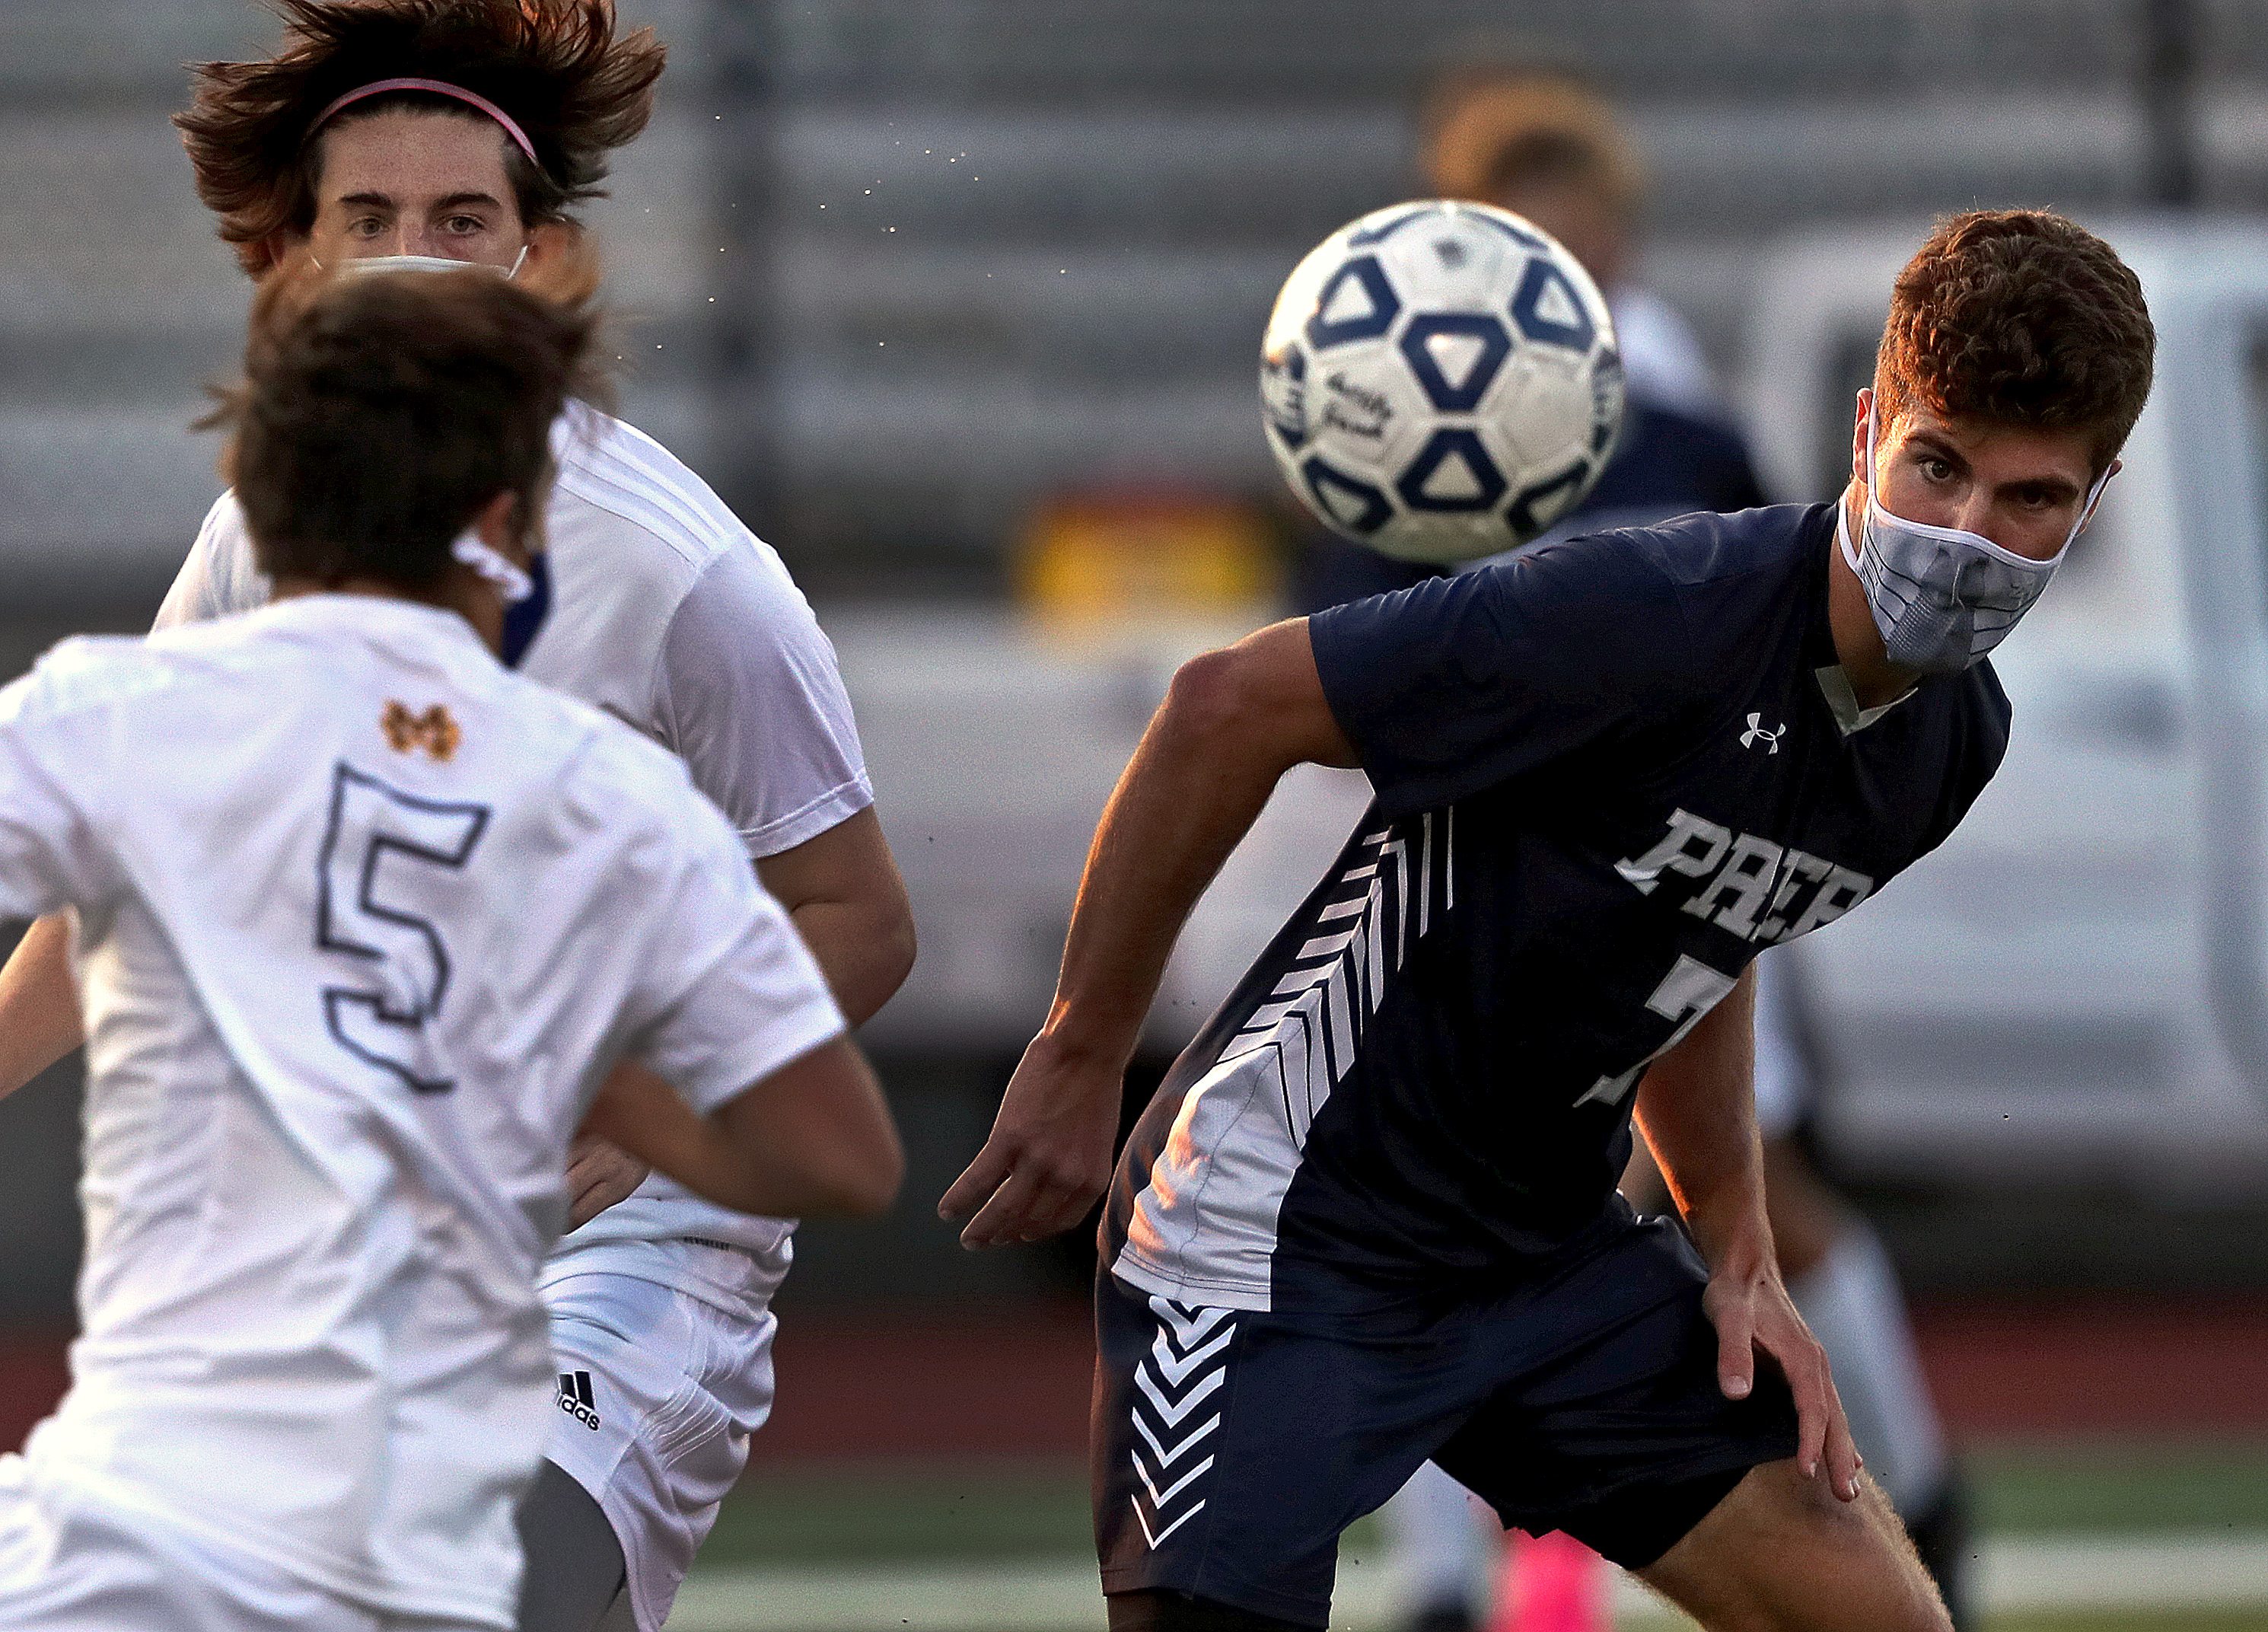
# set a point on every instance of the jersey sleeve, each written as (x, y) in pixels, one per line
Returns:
(734, 993)
(751, 698)
(51, 855)
(218, 578)
(1455, 684)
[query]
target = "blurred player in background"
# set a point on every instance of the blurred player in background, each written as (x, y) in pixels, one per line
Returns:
(465, 130)
(361, 918)
(1545, 146)
(1371, 1217)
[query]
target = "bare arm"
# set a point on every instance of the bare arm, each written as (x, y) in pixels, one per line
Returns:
(842, 889)
(1233, 723)
(1697, 1109)
(1805, 1214)
(844, 892)
(40, 1021)
(814, 1138)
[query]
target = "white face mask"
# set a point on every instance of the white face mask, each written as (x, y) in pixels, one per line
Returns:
(427, 263)
(1942, 596)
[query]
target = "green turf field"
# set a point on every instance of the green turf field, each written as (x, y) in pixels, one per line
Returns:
(917, 1512)
(1013, 1516)
(2121, 1489)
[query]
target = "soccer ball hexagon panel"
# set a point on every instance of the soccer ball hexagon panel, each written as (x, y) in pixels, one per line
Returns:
(1440, 381)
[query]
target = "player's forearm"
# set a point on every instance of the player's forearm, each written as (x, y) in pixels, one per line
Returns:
(814, 1138)
(1697, 1108)
(1203, 770)
(40, 1020)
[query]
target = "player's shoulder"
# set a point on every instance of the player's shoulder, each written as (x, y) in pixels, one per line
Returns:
(226, 517)
(86, 672)
(1711, 549)
(619, 488)
(1669, 570)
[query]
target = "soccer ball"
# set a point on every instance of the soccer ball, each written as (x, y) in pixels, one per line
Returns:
(1440, 381)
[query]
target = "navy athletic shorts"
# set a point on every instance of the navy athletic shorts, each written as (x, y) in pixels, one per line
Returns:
(1231, 1448)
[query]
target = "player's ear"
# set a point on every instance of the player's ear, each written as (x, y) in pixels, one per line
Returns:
(1858, 471)
(562, 264)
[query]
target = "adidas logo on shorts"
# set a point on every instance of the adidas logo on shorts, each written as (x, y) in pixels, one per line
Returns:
(575, 1398)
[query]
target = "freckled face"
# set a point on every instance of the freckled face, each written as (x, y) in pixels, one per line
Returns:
(417, 183)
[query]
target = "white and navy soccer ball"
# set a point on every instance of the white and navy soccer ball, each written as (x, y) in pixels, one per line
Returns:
(1440, 381)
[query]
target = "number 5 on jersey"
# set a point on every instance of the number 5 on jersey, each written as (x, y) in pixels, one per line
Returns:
(384, 873)
(1689, 991)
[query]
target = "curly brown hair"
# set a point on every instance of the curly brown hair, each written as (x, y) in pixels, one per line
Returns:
(2019, 317)
(554, 65)
(379, 413)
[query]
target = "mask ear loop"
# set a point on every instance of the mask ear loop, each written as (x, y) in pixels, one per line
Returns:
(2094, 498)
(1842, 511)
(514, 584)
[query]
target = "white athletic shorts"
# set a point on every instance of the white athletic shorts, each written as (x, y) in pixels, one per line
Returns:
(660, 1388)
(77, 1565)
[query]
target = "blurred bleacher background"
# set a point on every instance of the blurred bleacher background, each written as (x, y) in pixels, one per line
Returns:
(897, 275)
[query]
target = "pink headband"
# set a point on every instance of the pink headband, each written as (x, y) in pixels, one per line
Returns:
(438, 88)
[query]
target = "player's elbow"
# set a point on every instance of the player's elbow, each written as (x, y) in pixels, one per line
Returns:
(850, 1180)
(1258, 703)
(1215, 700)
(815, 1140)
(854, 1179)
(895, 945)
(868, 1188)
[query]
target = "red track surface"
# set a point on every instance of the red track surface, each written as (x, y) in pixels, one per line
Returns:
(2197, 1367)
(1016, 1385)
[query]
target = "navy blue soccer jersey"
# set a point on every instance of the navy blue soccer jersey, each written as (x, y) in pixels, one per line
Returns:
(1609, 772)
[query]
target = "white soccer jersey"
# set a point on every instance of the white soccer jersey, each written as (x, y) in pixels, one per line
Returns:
(360, 916)
(670, 614)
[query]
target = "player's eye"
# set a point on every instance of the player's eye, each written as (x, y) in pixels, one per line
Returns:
(1935, 470)
(365, 226)
(463, 224)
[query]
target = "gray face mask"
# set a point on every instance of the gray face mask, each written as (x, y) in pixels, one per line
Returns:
(1941, 596)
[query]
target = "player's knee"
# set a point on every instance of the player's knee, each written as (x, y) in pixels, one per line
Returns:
(1829, 1566)
(1162, 1611)
(1810, 1504)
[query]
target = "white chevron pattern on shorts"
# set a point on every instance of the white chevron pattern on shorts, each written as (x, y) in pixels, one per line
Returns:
(1186, 1366)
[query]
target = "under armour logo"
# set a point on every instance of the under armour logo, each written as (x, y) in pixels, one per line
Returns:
(434, 731)
(1757, 733)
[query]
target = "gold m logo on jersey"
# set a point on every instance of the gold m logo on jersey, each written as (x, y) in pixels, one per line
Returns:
(435, 730)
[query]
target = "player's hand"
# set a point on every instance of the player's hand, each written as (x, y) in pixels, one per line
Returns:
(598, 1176)
(1048, 1158)
(1749, 1306)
